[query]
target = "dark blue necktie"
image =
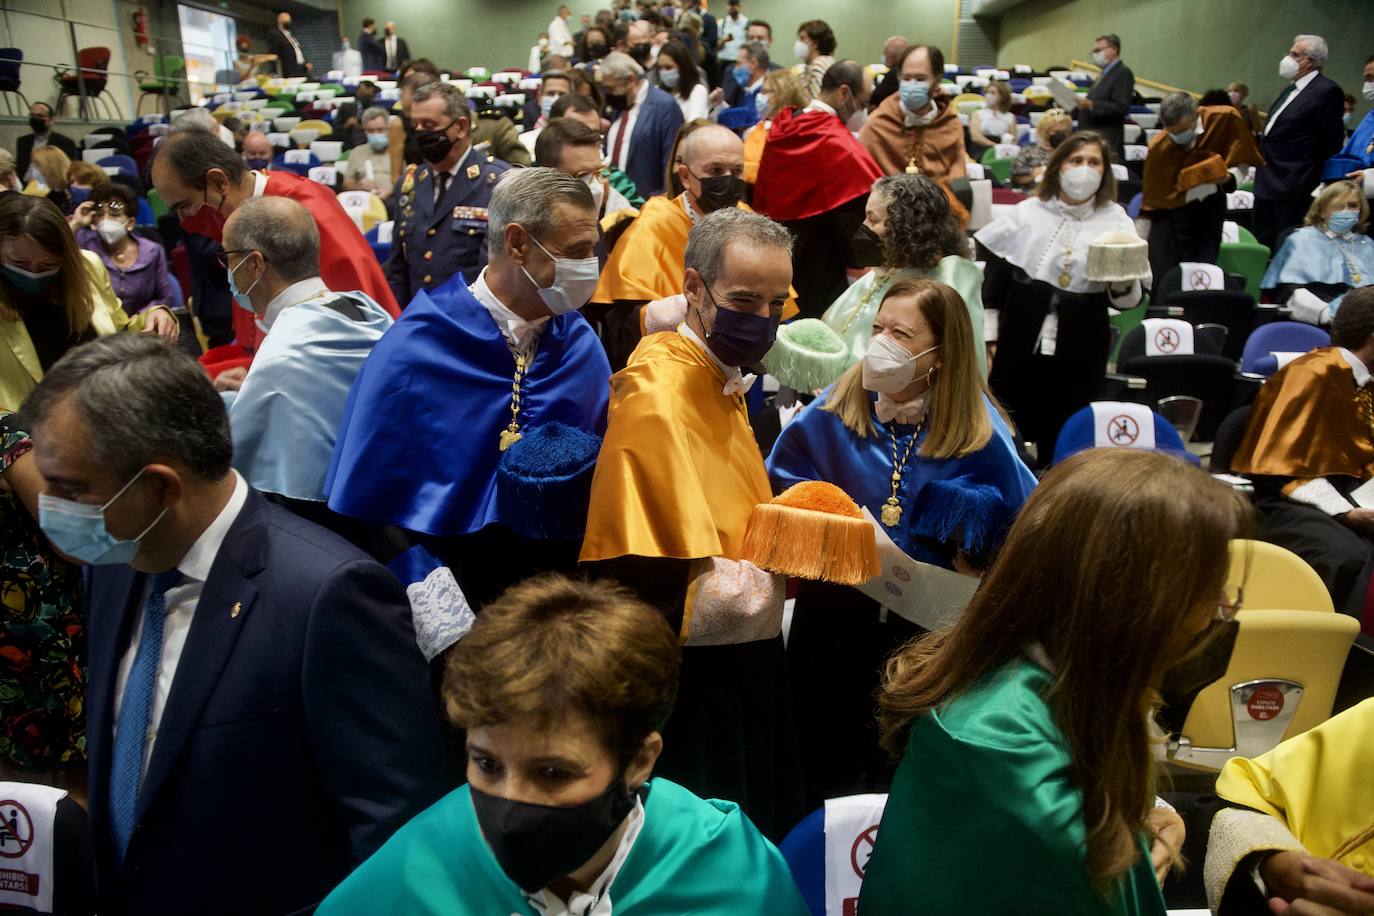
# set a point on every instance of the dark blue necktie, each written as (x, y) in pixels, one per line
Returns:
(135, 709)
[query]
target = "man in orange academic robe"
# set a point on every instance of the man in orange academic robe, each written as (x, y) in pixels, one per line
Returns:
(917, 129)
(1308, 445)
(646, 262)
(676, 480)
(1186, 179)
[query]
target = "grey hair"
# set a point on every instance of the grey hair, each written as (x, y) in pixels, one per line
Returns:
(758, 53)
(455, 103)
(142, 402)
(7, 167)
(1176, 105)
(620, 66)
(284, 233)
(721, 229)
(195, 119)
(1316, 48)
(527, 197)
(376, 111)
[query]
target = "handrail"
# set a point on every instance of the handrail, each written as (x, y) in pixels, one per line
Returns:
(135, 75)
(1139, 81)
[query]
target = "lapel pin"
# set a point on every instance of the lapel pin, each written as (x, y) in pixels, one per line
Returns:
(474, 171)
(234, 611)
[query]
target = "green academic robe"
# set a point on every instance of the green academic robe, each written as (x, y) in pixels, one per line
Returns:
(984, 817)
(691, 856)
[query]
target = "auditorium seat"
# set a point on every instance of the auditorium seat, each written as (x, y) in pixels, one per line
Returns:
(1078, 434)
(804, 846)
(1279, 337)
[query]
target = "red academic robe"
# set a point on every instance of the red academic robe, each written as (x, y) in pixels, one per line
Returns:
(811, 164)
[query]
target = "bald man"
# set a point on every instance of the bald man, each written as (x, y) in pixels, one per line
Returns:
(646, 262)
(257, 150)
(288, 407)
(892, 57)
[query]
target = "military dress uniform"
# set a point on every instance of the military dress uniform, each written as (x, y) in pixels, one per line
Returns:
(436, 239)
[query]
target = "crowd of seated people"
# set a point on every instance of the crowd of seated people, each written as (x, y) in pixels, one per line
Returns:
(382, 453)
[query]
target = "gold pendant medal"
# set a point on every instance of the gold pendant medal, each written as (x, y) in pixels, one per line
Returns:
(891, 514)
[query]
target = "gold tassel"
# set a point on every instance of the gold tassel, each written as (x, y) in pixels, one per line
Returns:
(811, 544)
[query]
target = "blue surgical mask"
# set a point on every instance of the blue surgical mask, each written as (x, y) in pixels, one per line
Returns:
(761, 104)
(241, 296)
(378, 142)
(1183, 138)
(78, 195)
(741, 75)
(29, 282)
(546, 104)
(669, 79)
(1343, 221)
(78, 529)
(1347, 117)
(738, 338)
(257, 163)
(915, 95)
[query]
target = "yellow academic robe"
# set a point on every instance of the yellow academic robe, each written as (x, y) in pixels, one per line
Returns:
(646, 263)
(1317, 783)
(679, 470)
(20, 370)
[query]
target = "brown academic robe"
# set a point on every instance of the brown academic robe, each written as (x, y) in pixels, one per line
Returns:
(937, 149)
(1191, 231)
(1311, 421)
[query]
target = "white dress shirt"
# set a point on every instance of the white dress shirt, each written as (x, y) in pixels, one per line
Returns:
(626, 124)
(1321, 493)
(521, 335)
(389, 43)
(296, 292)
(596, 899)
(818, 105)
(1298, 86)
(736, 382)
(181, 609)
(300, 58)
(560, 38)
(452, 173)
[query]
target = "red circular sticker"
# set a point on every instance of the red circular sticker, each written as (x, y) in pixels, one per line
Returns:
(1201, 279)
(1123, 430)
(1166, 339)
(1265, 703)
(862, 850)
(16, 829)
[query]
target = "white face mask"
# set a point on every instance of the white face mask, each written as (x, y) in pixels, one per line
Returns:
(574, 281)
(857, 120)
(802, 50)
(1288, 67)
(111, 231)
(594, 184)
(888, 366)
(1080, 182)
(1369, 91)
(1100, 58)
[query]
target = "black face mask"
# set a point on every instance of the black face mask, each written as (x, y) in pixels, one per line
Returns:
(1185, 680)
(640, 54)
(596, 50)
(865, 248)
(615, 104)
(535, 844)
(38, 125)
(434, 144)
(719, 192)
(1056, 139)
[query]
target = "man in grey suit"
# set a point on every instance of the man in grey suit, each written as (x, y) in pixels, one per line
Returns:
(1107, 103)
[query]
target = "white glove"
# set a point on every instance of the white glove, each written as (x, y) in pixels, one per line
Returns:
(1309, 309)
(1201, 192)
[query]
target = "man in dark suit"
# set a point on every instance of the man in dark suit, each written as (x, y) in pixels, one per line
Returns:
(441, 205)
(1303, 131)
(731, 90)
(1107, 103)
(374, 58)
(290, 58)
(395, 51)
(644, 125)
(259, 714)
(40, 122)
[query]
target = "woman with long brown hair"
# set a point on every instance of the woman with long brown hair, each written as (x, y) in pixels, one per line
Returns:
(912, 434)
(1027, 783)
(53, 296)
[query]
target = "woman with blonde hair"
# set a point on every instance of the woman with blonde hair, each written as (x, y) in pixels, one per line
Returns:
(913, 435)
(1327, 257)
(52, 166)
(1026, 728)
(1029, 165)
(53, 296)
(780, 90)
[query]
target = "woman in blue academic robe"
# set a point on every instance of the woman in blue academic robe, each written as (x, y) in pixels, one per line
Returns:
(563, 688)
(1327, 257)
(913, 435)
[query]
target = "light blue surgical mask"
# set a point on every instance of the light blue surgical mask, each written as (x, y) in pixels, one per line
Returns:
(669, 79)
(241, 296)
(741, 75)
(78, 529)
(546, 104)
(1183, 138)
(1343, 221)
(378, 142)
(915, 95)
(761, 104)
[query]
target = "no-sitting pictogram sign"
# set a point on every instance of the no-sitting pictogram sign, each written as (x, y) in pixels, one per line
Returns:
(1123, 430)
(16, 829)
(1166, 339)
(1200, 279)
(863, 850)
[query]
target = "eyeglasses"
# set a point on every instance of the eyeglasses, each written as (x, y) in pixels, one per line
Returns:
(223, 256)
(110, 206)
(1229, 606)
